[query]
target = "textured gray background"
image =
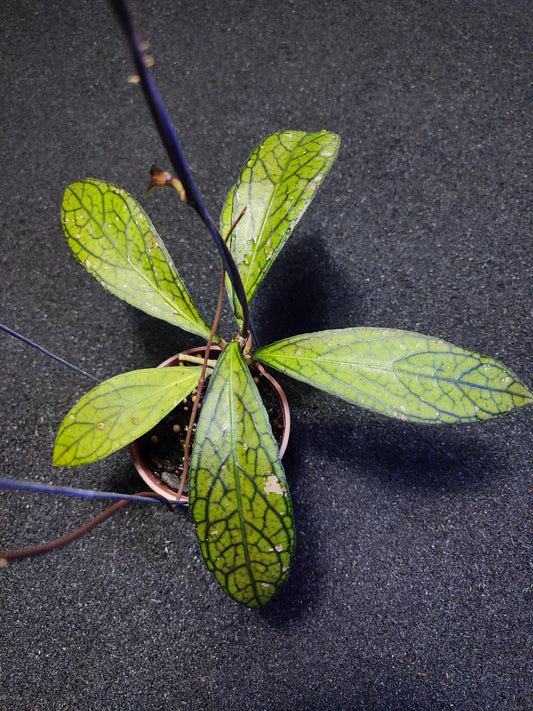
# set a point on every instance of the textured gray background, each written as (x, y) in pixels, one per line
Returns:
(410, 582)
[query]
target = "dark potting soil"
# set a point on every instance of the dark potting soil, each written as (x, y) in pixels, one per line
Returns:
(162, 448)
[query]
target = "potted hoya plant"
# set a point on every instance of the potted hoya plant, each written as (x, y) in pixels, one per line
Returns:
(230, 467)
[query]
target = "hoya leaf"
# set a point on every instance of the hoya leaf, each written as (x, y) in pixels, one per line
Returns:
(275, 186)
(400, 373)
(120, 410)
(114, 240)
(238, 497)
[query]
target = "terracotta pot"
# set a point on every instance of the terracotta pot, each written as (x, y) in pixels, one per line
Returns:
(154, 481)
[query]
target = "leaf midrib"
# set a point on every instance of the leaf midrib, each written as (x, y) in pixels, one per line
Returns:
(390, 368)
(232, 398)
(259, 239)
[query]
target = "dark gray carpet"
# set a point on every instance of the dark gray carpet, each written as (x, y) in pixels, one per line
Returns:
(411, 583)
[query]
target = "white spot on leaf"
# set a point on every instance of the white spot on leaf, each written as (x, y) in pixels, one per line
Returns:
(273, 486)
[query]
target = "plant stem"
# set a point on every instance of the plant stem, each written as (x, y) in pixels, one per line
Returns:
(201, 380)
(38, 487)
(46, 352)
(200, 388)
(59, 542)
(196, 359)
(177, 158)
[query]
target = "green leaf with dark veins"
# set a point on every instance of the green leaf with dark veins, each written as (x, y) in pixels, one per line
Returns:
(275, 186)
(120, 410)
(400, 373)
(114, 240)
(238, 497)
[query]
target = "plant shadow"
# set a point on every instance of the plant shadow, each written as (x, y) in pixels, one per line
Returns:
(297, 296)
(407, 458)
(158, 340)
(402, 455)
(297, 597)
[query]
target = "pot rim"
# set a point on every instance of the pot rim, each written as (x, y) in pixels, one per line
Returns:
(135, 450)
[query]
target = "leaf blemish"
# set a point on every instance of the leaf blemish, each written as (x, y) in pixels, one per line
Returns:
(273, 486)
